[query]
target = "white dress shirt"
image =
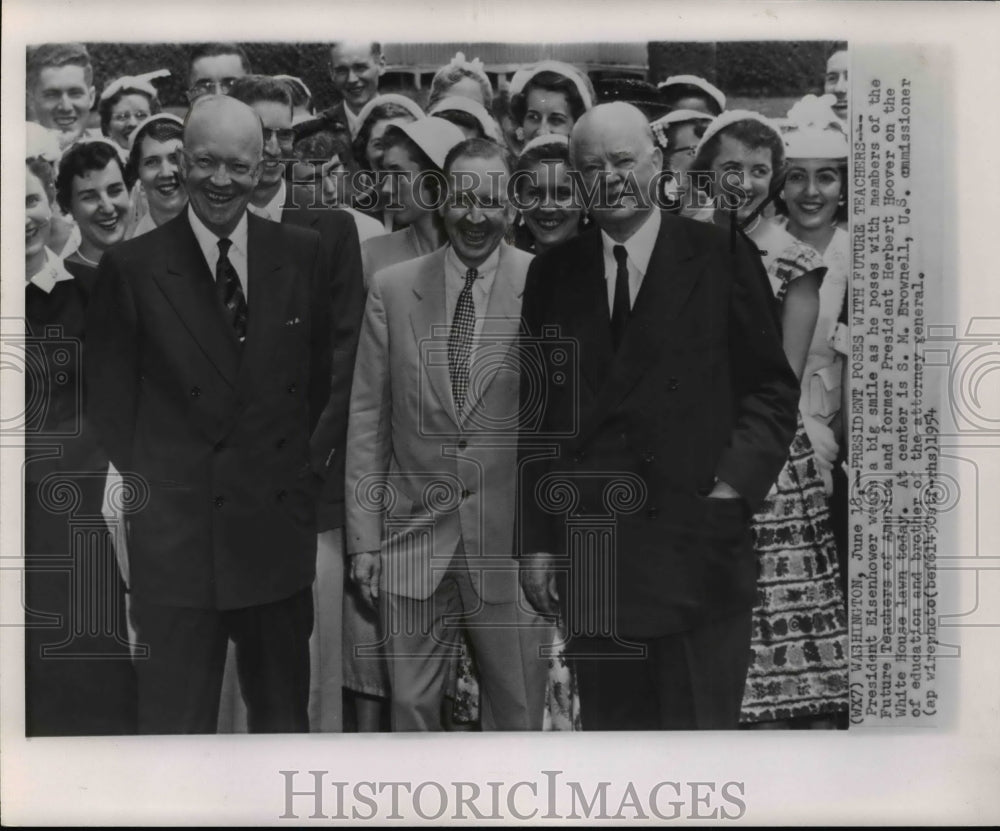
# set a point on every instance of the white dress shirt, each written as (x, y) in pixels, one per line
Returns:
(639, 248)
(353, 122)
(454, 282)
(272, 210)
(209, 243)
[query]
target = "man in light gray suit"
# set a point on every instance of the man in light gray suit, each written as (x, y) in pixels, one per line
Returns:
(432, 451)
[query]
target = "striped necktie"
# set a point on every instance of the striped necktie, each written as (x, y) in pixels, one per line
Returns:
(227, 284)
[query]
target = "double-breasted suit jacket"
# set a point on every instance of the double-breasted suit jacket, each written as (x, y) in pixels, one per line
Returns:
(339, 235)
(450, 477)
(220, 433)
(698, 390)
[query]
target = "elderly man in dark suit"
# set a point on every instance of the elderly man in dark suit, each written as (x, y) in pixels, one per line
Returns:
(639, 478)
(209, 366)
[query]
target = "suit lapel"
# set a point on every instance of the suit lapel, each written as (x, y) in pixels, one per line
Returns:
(499, 331)
(428, 318)
(189, 287)
(301, 215)
(266, 294)
(591, 319)
(673, 271)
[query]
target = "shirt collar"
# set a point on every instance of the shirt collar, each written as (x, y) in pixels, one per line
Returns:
(640, 245)
(209, 240)
(352, 120)
(486, 269)
(272, 210)
(51, 273)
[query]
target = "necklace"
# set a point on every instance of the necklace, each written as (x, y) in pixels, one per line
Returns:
(87, 260)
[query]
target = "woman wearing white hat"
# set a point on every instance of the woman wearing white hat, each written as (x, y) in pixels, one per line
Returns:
(814, 199)
(799, 642)
(412, 160)
(372, 122)
(549, 98)
(690, 92)
(126, 103)
(153, 161)
(470, 117)
(677, 135)
(462, 78)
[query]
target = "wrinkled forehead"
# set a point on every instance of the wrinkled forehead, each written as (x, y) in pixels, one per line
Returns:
(479, 176)
(608, 138)
(225, 134)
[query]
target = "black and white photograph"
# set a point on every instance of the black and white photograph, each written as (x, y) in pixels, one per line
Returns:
(604, 389)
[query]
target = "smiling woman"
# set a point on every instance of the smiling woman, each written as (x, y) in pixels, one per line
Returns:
(545, 194)
(93, 187)
(126, 103)
(154, 159)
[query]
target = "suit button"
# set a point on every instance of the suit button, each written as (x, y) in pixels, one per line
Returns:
(219, 501)
(280, 443)
(195, 392)
(462, 444)
(673, 384)
(291, 389)
(653, 513)
(280, 495)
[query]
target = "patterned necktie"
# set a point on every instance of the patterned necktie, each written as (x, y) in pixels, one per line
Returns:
(227, 284)
(463, 327)
(620, 308)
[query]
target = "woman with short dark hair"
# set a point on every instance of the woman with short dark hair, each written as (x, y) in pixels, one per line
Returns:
(93, 187)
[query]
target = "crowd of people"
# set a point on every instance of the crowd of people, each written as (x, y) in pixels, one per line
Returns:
(517, 411)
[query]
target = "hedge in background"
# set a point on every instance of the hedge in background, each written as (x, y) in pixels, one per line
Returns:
(749, 69)
(306, 60)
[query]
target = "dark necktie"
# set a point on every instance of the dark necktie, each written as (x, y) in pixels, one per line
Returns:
(463, 327)
(620, 308)
(227, 284)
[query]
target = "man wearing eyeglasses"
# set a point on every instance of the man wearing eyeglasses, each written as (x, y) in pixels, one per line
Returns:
(355, 69)
(272, 199)
(209, 371)
(214, 67)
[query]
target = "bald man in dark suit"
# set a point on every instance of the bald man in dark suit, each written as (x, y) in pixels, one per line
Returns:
(680, 419)
(208, 369)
